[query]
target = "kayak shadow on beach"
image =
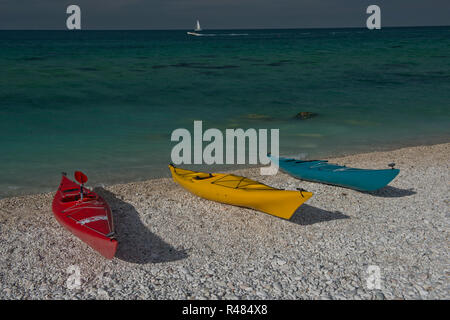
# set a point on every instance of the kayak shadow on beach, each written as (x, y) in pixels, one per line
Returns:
(391, 192)
(306, 215)
(136, 243)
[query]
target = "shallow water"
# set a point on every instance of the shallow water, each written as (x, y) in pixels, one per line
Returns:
(106, 102)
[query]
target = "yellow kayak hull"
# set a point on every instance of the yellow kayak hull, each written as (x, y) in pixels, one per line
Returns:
(240, 191)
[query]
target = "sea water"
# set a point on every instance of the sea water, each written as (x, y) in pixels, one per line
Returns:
(106, 102)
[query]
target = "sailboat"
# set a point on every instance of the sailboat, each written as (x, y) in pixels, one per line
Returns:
(197, 29)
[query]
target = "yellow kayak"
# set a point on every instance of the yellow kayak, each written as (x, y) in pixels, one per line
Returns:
(241, 191)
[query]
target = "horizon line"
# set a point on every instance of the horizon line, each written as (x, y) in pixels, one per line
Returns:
(262, 28)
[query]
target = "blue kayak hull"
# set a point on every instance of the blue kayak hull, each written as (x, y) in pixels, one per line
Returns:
(324, 172)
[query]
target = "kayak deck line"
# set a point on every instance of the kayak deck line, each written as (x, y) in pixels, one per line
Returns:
(92, 229)
(241, 179)
(77, 207)
(92, 219)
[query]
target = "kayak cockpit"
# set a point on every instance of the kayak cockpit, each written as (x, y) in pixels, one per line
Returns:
(204, 176)
(77, 197)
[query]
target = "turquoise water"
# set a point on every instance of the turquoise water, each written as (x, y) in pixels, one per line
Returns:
(106, 102)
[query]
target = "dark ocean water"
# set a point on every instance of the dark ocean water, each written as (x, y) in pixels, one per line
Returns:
(106, 102)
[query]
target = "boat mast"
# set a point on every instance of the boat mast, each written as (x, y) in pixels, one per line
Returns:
(197, 27)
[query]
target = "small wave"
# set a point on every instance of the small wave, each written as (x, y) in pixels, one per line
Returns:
(339, 32)
(205, 35)
(221, 34)
(199, 65)
(309, 135)
(33, 58)
(298, 156)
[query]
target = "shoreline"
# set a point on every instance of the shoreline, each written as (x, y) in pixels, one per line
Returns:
(331, 157)
(174, 245)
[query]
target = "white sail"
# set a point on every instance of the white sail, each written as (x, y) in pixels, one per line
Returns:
(197, 27)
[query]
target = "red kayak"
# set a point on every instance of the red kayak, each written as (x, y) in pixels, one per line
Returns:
(85, 214)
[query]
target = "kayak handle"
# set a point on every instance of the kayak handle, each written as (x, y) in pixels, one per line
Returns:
(301, 191)
(392, 165)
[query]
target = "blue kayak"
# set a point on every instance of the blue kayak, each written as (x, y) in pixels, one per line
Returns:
(324, 172)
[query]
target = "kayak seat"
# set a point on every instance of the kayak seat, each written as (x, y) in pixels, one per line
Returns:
(76, 197)
(71, 198)
(203, 177)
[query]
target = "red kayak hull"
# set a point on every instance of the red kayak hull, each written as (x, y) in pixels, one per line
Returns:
(89, 219)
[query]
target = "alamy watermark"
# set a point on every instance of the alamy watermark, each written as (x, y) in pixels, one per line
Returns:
(374, 20)
(73, 22)
(74, 280)
(373, 278)
(236, 141)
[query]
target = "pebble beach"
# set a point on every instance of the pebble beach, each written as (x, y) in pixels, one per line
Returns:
(174, 245)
